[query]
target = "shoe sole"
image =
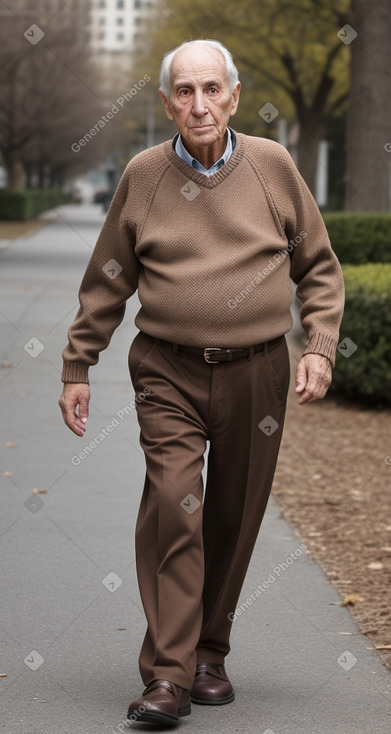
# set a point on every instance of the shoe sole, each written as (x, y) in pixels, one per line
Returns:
(212, 701)
(163, 719)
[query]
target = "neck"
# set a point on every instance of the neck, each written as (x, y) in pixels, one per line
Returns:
(207, 155)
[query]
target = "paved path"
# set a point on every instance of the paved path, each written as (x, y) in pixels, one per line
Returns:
(71, 617)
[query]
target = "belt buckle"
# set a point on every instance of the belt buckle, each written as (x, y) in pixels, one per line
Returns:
(207, 354)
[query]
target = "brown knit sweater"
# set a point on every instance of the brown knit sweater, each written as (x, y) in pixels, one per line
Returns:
(211, 257)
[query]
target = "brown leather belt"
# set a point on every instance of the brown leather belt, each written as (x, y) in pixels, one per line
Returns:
(214, 355)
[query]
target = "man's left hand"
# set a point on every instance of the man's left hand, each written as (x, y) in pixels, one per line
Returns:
(313, 377)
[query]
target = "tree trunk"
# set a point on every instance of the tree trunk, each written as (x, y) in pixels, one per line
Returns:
(16, 173)
(311, 132)
(367, 184)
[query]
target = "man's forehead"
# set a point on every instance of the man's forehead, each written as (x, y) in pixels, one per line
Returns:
(198, 61)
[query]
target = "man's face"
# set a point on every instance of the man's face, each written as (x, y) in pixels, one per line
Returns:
(201, 101)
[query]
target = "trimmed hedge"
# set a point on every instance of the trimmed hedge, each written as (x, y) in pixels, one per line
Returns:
(27, 204)
(366, 372)
(359, 238)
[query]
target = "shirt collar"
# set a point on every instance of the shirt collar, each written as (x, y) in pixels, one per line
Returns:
(181, 151)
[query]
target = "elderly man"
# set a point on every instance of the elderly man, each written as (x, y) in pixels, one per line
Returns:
(210, 228)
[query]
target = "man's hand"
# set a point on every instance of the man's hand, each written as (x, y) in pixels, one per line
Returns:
(313, 377)
(74, 405)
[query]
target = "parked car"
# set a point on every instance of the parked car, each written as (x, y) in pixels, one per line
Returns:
(100, 196)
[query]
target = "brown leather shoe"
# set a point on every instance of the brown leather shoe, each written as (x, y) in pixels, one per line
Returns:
(162, 702)
(211, 685)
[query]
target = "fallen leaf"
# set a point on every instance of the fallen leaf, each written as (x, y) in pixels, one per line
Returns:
(3, 675)
(375, 566)
(10, 445)
(383, 647)
(8, 473)
(40, 491)
(6, 365)
(350, 599)
(386, 548)
(121, 628)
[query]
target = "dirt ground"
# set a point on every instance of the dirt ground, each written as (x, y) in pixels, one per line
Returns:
(333, 485)
(13, 230)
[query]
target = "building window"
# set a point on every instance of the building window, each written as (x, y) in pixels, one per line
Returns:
(137, 21)
(120, 21)
(137, 4)
(120, 37)
(102, 4)
(101, 36)
(120, 4)
(102, 21)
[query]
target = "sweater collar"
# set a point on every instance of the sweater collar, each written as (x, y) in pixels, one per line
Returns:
(195, 163)
(200, 178)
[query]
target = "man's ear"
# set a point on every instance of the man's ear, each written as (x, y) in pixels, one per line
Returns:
(235, 98)
(166, 105)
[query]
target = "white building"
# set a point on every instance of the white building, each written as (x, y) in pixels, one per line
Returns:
(116, 25)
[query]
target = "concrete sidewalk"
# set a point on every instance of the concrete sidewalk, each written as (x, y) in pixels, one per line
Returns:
(71, 617)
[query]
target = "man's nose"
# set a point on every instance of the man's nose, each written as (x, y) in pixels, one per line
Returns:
(199, 104)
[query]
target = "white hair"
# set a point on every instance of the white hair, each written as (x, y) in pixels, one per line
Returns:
(165, 69)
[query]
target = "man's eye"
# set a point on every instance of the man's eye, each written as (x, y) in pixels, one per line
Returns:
(184, 92)
(213, 89)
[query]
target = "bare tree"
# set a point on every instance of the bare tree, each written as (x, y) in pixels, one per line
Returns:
(48, 97)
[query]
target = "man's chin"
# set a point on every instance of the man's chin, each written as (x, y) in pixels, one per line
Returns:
(203, 136)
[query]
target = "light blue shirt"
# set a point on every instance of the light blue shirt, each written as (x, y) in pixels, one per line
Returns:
(194, 163)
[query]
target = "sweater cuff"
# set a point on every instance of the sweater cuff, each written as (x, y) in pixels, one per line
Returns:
(322, 344)
(74, 372)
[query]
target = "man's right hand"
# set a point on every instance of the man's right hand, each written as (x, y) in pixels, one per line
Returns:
(74, 405)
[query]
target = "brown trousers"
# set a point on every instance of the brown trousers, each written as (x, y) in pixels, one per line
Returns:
(193, 551)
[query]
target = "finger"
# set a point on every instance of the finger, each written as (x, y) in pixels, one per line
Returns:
(301, 376)
(83, 409)
(315, 390)
(77, 426)
(71, 418)
(305, 397)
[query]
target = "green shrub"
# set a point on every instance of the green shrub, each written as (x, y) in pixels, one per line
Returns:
(359, 238)
(366, 373)
(27, 204)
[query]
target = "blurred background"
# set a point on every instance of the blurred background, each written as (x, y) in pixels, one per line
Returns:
(314, 74)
